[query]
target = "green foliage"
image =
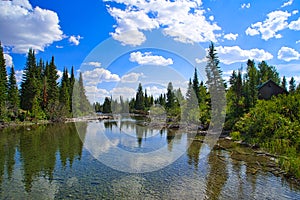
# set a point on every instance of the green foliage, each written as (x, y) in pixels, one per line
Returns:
(13, 95)
(64, 92)
(80, 104)
(215, 84)
(267, 72)
(3, 85)
(139, 98)
(107, 105)
(292, 85)
(284, 83)
(52, 89)
(236, 135)
(31, 83)
(275, 125)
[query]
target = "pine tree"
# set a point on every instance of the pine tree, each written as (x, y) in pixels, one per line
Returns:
(162, 100)
(235, 102)
(179, 96)
(80, 104)
(216, 87)
(139, 99)
(284, 83)
(292, 85)
(196, 85)
(170, 96)
(31, 86)
(191, 112)
(53, 92)
(64, 93)
(107, 105)
(71, 86)
(251, 83)
(52, 106)
(3, 84)
(267, 72)
(13, 92)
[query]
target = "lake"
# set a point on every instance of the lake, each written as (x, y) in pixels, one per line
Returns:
(123, 159)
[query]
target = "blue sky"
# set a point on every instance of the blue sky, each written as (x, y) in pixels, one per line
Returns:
(70, 30)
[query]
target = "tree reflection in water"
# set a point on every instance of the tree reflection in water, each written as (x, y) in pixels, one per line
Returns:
(38, 148)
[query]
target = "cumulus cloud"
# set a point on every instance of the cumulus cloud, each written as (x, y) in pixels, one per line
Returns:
(244, 5)
(298, 41)
(93, 63)
(95, 94)
(19, 76)
(99, 75)
(174, 17)
(155, 91)
(231, 36)
(287, 54)
(42, 26)
(148, 59)
(125, 92)
(211, 18)
(288, 3)
(8, 60)
(275, 22)
(295, 12)
(131, 77)
(75, 40)
(229, 55)
(295, 25)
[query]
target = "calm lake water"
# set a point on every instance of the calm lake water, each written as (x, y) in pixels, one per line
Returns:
(55, 162)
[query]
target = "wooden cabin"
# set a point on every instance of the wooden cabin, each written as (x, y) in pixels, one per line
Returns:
(269, 89)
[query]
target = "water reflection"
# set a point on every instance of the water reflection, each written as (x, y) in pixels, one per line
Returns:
(48, 162)
(38, 148)
(217, 176)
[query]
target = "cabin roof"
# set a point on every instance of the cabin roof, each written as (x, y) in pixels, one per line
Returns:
(269, 81)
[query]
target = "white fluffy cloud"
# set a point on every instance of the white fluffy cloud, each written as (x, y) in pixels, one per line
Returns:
(148, 59)
(95, 94)
(93, 63)
(19, 76)
(131, 77)
(125, 92)
(42, 26)
(75, 40)
(99, 75)
(229, 55)
(288, 54)
(155, 91)
(174, 17)
(295, 25)
(231, 36)
(288, 3)
(276, 21)
(244, 5)
(8, 60)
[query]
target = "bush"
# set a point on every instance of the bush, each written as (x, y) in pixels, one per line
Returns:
(235, 135)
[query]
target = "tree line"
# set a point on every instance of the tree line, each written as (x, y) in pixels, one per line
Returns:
(193, 107)
(41, 96)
